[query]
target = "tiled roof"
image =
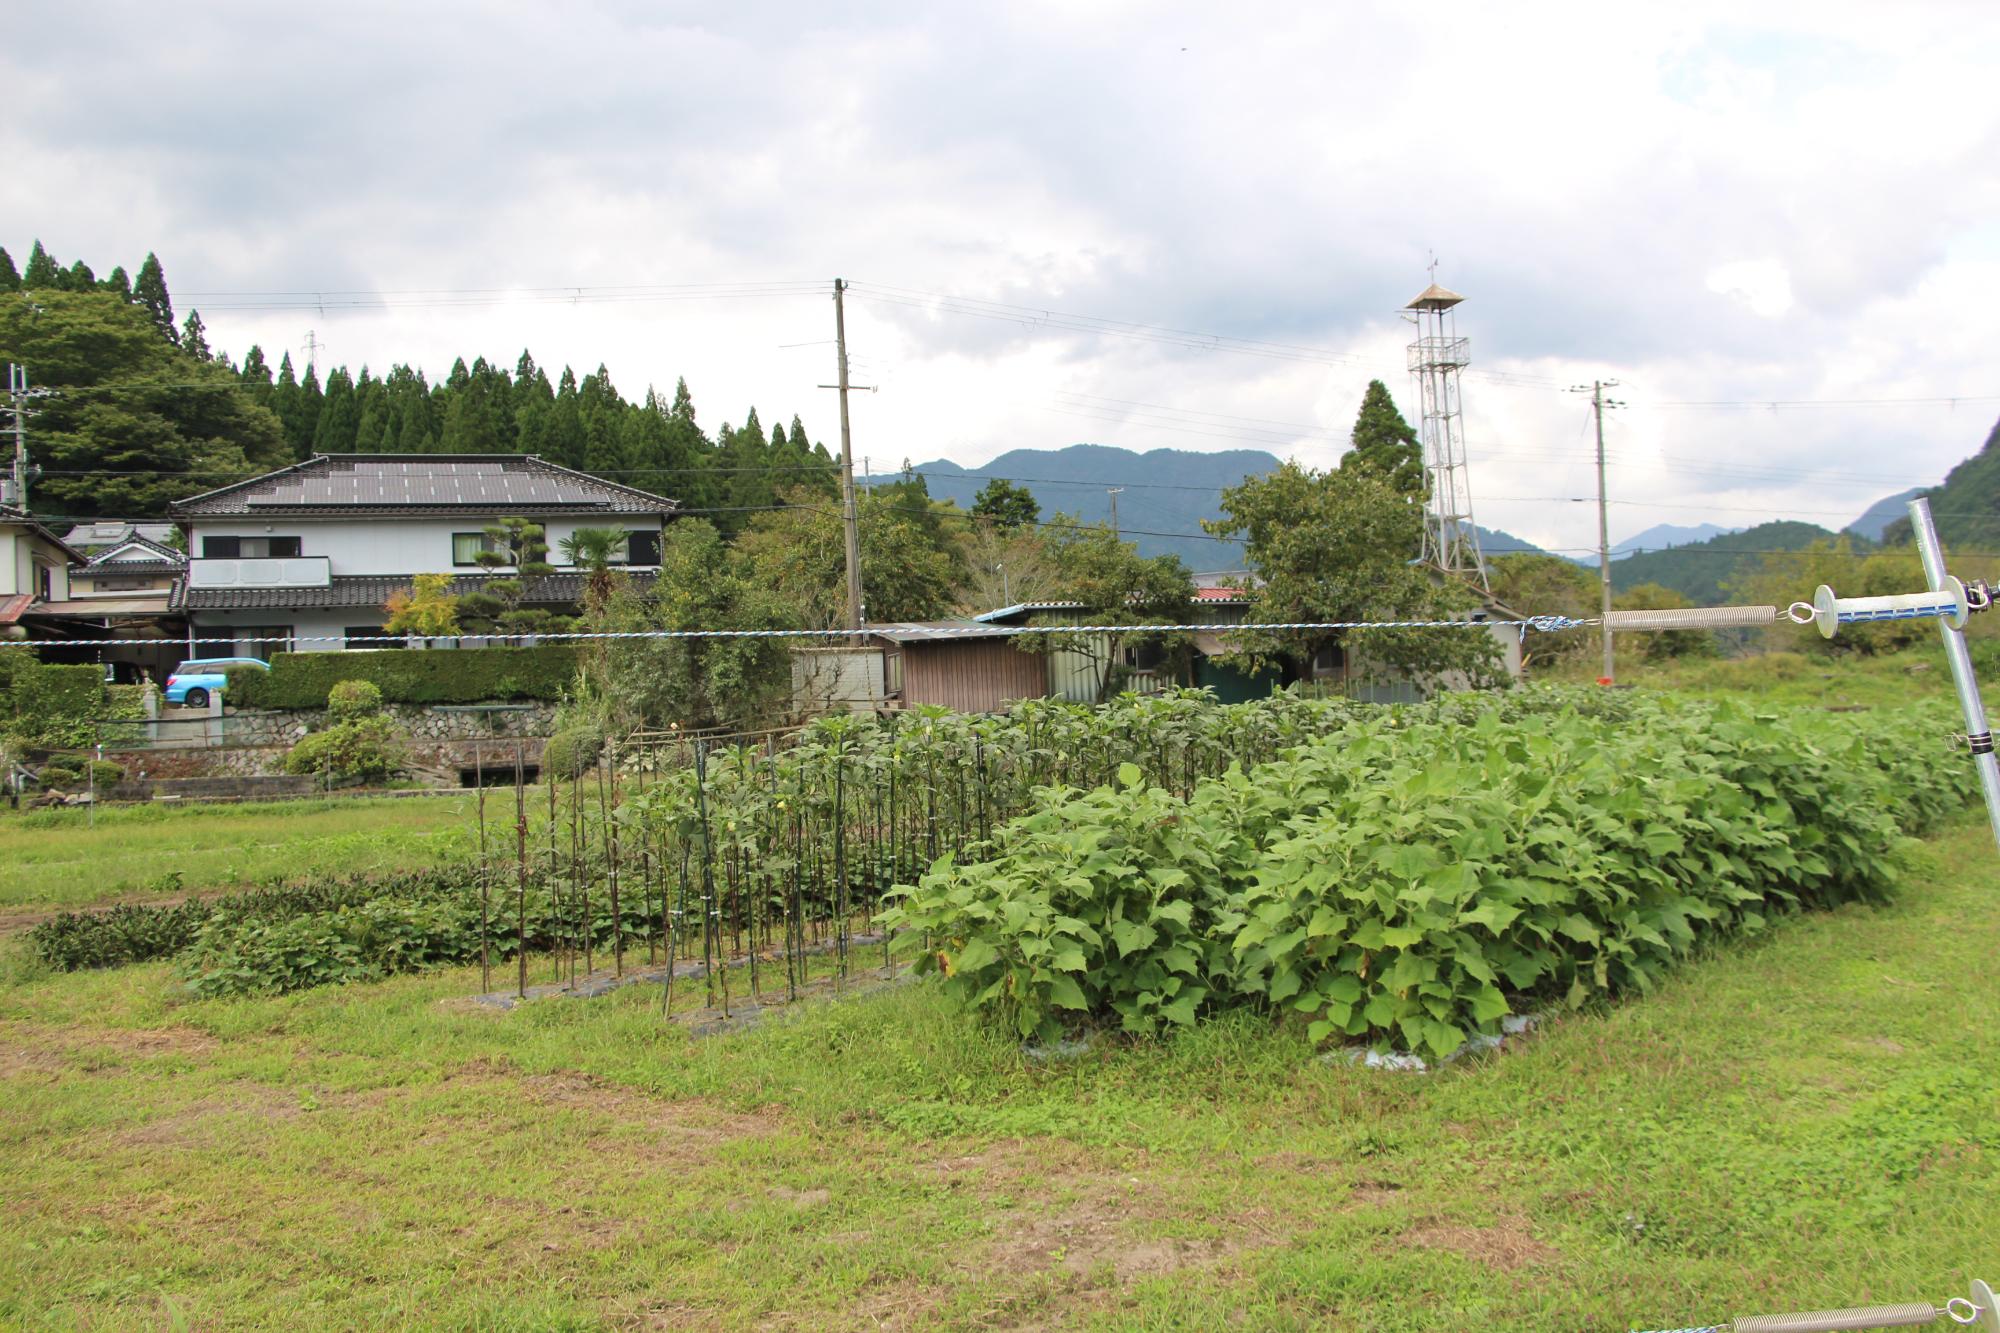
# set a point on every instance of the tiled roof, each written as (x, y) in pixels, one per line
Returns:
(341, 485)
(372, 590)
(136, 554)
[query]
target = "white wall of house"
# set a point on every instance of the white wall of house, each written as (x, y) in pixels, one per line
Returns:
(398, 545)
(21, 551)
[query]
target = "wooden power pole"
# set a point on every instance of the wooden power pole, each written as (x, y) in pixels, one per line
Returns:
(1598, 402)
(849, 518)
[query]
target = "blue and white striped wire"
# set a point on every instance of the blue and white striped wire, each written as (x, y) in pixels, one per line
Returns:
(1543, 624)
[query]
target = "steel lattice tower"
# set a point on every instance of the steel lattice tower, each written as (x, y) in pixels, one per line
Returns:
(1451, 542)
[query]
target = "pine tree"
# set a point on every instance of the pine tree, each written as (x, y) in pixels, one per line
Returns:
(150, 291)
(287, 403)
(256, 376)
(79, 278)
(119, 283)
(339, 415)
(1006, 505)
(194, 338)
(10, 278)
(566, 437)
(41, 273)
(371, 406)
(311, 403)
(1384, 442)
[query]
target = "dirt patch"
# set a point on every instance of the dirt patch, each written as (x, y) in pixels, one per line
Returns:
(213, 1121)
(36, 1049)
(1506, 1247)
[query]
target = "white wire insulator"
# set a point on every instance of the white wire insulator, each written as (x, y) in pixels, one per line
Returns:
(1691, 617)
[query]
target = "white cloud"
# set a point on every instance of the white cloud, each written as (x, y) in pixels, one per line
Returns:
(1704, 205)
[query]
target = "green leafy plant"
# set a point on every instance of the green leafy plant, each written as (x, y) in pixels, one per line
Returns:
(367, 747)
(351, 699)
(468, 675)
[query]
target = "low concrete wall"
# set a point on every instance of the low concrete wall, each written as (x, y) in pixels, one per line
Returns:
(263, 788)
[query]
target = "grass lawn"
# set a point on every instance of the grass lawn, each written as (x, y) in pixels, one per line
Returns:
(1802, 1120)
(56, 858)
(1793, 679)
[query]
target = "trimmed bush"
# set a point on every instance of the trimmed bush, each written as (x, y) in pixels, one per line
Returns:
(104, 775)
(351, 699)
(58, 775)
(573, 750)
(52, 705)
(454, 676)
(364, 748)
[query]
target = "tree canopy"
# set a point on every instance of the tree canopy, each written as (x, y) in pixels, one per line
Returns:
(1386, 444)
(1342, 546)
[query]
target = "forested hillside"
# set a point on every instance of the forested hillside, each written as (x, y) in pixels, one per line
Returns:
(1967, 507)
(142, 410)
(1699, 570)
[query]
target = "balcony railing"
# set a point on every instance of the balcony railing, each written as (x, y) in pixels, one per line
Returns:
(1426, 353)
(298, 571)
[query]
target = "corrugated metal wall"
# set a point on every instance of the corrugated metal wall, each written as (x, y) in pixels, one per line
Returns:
(1074, 675)
(976, 677)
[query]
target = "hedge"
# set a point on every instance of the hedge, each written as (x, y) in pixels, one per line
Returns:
(52, 705)
(411, 676)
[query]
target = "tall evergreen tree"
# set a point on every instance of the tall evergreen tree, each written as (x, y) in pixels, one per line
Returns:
(566, 435)
(1385, 444)
(10, 278)
(119, 283)
(79, 278)
(287, 403)
(339, 415)
(256, 376)
(41, 273)
(371, 409)
(150, 291)
(311, 402)
(194, 338)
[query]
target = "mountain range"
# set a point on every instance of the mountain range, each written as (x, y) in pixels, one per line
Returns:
(1163, 496)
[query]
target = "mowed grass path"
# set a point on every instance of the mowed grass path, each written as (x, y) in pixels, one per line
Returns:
(57, 858)
(1803, 1120)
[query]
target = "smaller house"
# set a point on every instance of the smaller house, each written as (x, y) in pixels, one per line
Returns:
(98, 535)
(34, 578)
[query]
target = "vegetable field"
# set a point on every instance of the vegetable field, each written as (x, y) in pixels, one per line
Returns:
(1400, 878)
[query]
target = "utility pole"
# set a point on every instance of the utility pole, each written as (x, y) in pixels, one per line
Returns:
(1113, 491)
(849, 518)
(1598, 402)
(17, 389)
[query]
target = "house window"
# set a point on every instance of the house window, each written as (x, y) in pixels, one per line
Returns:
(45, 578)
(259, 641)
(640, 548)
(353, 632)
(250, 548)
(467, 546)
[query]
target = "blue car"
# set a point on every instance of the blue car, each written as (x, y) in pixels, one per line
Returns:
(193, 682)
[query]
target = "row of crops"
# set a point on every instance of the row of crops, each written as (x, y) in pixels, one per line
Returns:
(1407, 875)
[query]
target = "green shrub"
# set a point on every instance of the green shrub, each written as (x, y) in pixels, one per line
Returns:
(350, 699)
(1418, 875)
(125, 701)
(59, 775)
(574, 750)
(104, 775)
(367, 747)
(461, 676)
(137, 933)
(52, 705)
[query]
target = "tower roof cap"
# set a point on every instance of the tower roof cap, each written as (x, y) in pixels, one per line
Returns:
(1435, 297)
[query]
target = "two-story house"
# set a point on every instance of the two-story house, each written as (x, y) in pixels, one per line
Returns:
(304, 558)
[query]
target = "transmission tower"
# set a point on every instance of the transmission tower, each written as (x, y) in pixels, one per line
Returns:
(1451, 542)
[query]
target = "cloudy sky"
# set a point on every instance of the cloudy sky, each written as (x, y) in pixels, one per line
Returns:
(1149, 225)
